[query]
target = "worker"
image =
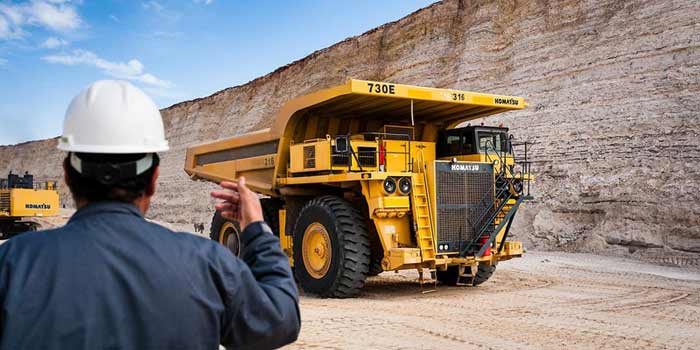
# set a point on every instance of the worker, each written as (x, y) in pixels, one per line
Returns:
(111, 279)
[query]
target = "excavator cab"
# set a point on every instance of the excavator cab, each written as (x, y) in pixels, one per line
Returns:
(21, 197)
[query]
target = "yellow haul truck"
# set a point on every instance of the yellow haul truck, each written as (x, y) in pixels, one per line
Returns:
(370, 176)
(21, 198)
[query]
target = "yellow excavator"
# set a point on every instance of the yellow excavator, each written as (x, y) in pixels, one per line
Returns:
(21, 198)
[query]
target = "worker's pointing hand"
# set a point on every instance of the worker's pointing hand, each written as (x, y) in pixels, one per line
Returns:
(238, 202)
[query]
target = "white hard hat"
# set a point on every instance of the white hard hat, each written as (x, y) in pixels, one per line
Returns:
(113, 117)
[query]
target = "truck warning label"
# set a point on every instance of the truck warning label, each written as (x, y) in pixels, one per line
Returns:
(505, 101)
(37, 206)
(378, 88)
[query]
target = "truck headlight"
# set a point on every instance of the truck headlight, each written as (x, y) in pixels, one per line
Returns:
(405, 185)
(389, 185)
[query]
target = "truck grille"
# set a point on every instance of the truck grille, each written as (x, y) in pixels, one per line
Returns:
(309, 157)
(367, 156)
(464, 196)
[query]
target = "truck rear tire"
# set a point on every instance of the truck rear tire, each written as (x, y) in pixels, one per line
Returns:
(331, 248)
(227, 232)
(449, 276)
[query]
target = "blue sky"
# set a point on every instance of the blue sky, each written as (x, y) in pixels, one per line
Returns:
(174, 50)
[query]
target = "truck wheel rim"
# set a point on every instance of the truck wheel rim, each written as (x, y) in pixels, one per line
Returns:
(316, 250)
(228, 236)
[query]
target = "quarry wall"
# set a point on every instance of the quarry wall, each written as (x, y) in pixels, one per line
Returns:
(613, 88)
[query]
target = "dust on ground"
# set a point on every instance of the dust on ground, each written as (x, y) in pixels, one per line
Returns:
(544, 300)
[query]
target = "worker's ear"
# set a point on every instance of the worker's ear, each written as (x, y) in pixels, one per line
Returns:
(151, 188)
(65, 173)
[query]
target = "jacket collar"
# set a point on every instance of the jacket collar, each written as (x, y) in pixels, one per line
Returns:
(106, 207)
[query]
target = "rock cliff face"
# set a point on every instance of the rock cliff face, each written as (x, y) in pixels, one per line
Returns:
(613, 89)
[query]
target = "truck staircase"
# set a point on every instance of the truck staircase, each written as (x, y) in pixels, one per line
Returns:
(499, 215)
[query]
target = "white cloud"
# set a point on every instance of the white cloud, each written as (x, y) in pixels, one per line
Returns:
(54, 15)
(114, 18)
(132, 70)
(13, 13)
(164, 14)
(3, 61)
(4, 27)
(52, 43)
(8, 29)
(205, 2)
(152, 5)
(57, 17)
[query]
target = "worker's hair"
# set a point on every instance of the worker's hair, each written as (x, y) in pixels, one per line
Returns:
(125, 190)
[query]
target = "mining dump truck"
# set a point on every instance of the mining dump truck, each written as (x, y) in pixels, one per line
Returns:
(370, 176)
(21, 198)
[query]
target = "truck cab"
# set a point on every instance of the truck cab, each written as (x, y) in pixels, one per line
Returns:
(472, 140)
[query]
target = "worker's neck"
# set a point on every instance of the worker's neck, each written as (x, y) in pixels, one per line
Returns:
(142, 203)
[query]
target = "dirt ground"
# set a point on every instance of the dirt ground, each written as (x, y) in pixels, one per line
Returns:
(544, 300)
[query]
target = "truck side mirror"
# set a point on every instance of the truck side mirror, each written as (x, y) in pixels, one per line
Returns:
(341, 144)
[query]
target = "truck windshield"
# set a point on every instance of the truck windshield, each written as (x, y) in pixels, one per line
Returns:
(489, 141)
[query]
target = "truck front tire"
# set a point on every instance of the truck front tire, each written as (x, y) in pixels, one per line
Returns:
(227, 232)
(270, 208)
(449, 277)
(331, 248)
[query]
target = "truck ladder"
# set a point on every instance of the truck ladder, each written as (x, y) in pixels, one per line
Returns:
(422, 215)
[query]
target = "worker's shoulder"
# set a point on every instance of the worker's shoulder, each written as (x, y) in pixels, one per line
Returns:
(33, 238)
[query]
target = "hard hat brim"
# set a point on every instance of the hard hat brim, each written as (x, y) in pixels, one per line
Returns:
(112, 149)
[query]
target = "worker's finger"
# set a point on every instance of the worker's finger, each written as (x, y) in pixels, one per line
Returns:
(226, 196)
(230, 185)
(242, 185)
(228, 214)
(225, 206)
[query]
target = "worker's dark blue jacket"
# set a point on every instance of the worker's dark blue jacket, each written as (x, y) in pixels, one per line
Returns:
(109, 279)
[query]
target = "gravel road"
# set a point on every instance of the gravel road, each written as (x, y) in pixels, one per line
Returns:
(542, 301)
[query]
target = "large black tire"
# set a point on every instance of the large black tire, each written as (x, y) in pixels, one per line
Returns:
(376, 250)
(449, 276)
(227, 232)
(375, 267)
(11, 229)
(484, 272)
(271, 207)
(349, 248)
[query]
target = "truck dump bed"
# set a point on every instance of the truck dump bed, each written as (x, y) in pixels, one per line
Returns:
(263, 156)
